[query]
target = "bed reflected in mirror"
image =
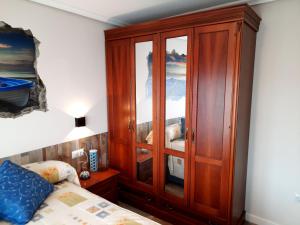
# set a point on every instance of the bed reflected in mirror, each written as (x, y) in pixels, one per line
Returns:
(174, 175)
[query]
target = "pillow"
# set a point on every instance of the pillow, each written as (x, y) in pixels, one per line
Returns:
(173, 132)
(54, 171)
(149, 138)
(21, 193)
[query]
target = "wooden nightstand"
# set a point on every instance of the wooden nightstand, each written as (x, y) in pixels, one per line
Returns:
(103, 184)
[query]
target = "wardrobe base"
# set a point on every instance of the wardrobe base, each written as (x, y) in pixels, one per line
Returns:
(148, 203)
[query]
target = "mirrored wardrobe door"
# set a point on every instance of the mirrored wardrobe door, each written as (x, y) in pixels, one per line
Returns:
(175, 92)
(143, 92)
(144, 110)
(174, 113)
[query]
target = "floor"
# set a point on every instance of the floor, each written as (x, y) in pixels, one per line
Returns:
(147, 215)
(142, 213)
(175, 189)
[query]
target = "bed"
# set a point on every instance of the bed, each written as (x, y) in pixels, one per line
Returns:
(174, 139)
(71, 204)
(176, 164)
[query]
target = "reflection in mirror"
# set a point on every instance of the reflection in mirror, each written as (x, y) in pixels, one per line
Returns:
(174, 175)
(176, 58)
(143, 77)
(144, 166)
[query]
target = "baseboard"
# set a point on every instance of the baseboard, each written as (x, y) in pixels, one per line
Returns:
(258, 220)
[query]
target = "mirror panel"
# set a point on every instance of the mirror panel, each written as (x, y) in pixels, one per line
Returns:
(175, 92)
(174, 175)
(144, 166)
(143, 84)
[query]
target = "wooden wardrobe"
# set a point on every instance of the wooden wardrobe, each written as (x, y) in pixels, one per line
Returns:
(179, 101)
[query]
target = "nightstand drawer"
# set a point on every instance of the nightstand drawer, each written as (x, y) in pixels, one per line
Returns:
(111, 196)
(103, 184)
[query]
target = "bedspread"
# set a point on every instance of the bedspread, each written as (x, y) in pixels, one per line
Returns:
(70, 204)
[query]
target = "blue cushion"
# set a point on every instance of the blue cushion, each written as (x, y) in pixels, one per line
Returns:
(21, 193)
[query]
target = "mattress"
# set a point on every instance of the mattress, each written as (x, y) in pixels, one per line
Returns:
(177, 144)
(71, 204)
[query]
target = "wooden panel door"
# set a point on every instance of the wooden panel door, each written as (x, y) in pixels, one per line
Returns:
(213, 81)
(119, 109)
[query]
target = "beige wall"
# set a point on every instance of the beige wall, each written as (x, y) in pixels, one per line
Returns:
(72, 66)
(274, 160)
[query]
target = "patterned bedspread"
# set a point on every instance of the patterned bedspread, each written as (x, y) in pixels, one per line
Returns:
(70, 204)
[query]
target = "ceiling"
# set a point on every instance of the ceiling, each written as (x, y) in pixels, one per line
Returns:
(124, 12)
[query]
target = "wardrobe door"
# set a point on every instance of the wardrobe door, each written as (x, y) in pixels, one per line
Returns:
(213, 80)
(118, 89)
(175, 115)
(144, 52)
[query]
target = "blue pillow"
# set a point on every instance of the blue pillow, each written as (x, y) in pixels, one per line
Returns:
(21, 193)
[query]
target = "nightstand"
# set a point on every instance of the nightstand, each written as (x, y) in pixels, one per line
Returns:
(103, 183)
(144, 167)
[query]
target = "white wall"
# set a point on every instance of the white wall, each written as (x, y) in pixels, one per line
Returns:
(274, 160)
(72, 66)
(143, 103)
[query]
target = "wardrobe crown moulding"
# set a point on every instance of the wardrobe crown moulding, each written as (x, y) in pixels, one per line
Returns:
(243, 13)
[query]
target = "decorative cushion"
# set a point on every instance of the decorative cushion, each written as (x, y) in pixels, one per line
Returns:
(149, 138)
(173, 132)
(54, 171)
(21, 192)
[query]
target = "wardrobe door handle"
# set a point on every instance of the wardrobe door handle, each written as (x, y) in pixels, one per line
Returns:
(132, 125)
(129, 124)
(186, 133)
(193, 136)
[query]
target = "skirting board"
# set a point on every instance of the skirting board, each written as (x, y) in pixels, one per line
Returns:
(258, 220)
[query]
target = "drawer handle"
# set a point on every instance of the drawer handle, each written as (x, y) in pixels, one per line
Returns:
(170, 207)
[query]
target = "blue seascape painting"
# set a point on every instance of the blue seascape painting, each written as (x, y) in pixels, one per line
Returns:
(175, 75)
(21, 89)
(17, 54)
